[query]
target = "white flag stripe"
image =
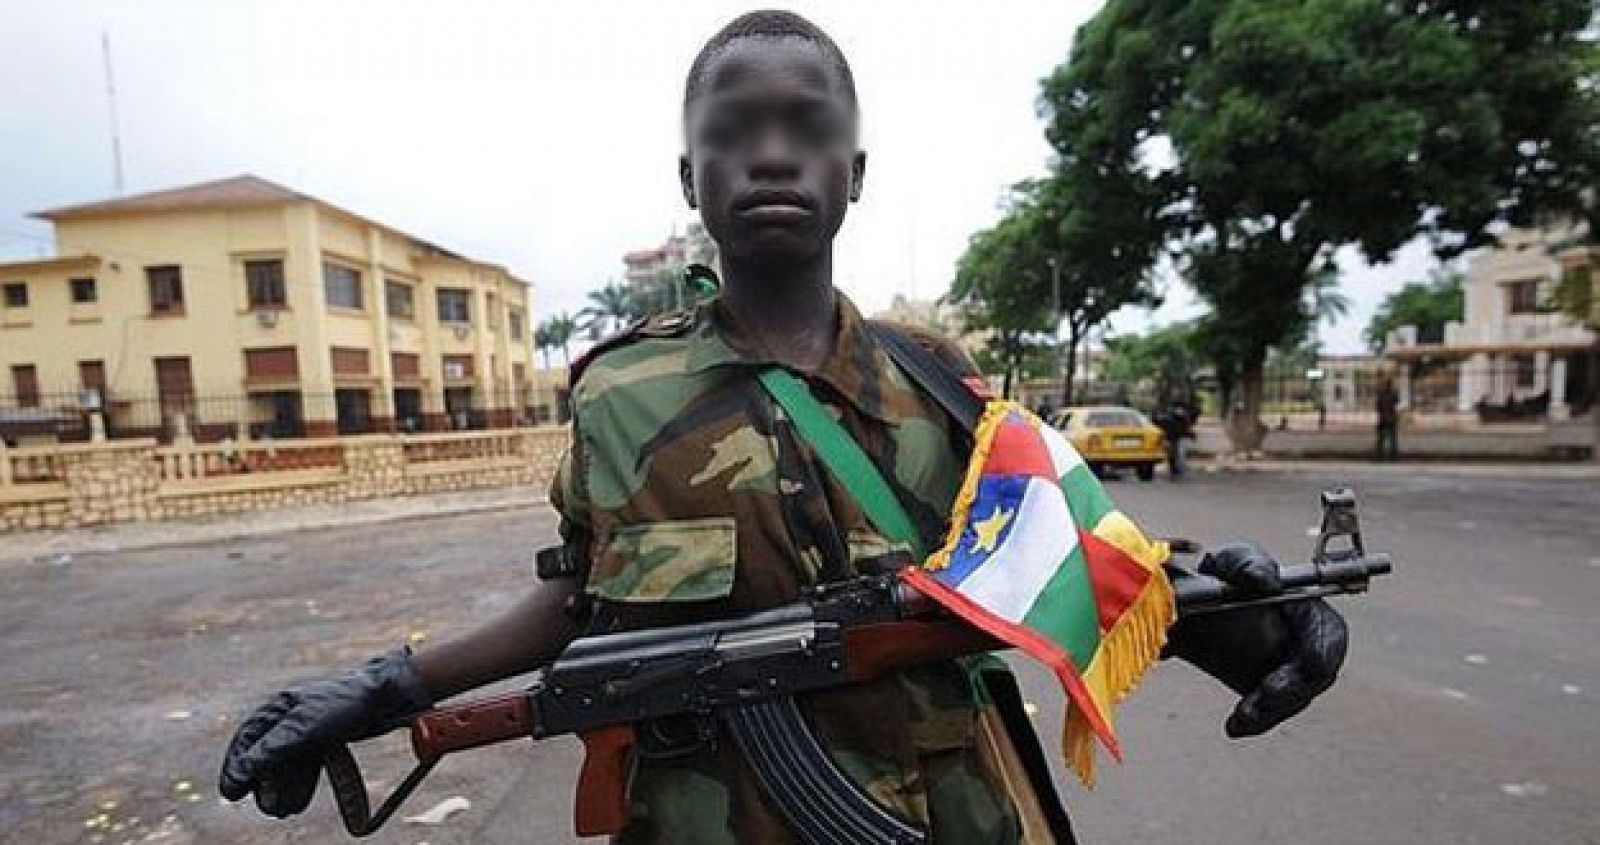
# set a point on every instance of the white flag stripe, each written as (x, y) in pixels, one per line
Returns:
(1062, 454)
(1009, 582)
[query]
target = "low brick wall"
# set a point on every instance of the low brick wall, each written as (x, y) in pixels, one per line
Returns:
(71, 486)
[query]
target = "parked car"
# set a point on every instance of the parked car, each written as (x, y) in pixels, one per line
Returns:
(1113, 436)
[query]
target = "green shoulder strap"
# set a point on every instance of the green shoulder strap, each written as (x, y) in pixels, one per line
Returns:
(844, 457)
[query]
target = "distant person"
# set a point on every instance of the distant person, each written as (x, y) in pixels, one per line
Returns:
(1388, 421)
(1176, 418)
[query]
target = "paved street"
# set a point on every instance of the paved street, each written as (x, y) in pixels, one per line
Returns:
(1469, 711)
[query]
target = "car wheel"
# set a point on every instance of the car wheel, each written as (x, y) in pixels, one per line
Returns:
(1147, 472)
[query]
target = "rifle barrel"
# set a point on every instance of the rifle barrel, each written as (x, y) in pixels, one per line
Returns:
(1197, 593)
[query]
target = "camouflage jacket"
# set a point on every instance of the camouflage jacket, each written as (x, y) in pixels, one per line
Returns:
(696, 499)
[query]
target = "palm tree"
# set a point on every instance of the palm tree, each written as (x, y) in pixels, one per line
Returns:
(542, 338)
(612, 308)
(562, 327)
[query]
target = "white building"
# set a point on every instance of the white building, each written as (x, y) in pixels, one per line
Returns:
(1511, 346)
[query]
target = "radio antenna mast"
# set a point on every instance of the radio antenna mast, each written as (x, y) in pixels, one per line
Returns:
(111, 99)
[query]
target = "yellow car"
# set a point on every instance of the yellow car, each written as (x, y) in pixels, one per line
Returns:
(1113, 436)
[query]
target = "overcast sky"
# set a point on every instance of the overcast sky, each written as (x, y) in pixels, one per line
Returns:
(539, 135)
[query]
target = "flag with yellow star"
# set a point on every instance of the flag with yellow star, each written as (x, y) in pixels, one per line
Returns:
(1039, 557)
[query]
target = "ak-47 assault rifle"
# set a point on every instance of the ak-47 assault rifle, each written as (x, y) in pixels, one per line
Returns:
(643, 691)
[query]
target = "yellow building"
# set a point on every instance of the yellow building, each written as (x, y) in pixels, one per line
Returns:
(243, 308)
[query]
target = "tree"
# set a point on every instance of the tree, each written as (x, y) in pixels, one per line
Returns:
(1048, 264)
(1159, 360)
(1273, 134)
(542, 341)
(611, 308)
(999, 283)
(556, 332)
(1426, 305)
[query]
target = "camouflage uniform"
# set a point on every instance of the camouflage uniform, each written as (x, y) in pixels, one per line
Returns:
(697, 500)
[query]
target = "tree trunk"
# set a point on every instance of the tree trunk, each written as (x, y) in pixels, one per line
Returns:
(1243, 420)
(1072, 366)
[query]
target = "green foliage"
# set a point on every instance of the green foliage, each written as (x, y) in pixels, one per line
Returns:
(1426, 305)
(1047, 263)
(1575, 296)
(555, 332)
(1263, 136)
(1165, 356)
(611, 308)
(1002, 282)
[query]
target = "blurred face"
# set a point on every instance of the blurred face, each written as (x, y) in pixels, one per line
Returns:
(772, 158)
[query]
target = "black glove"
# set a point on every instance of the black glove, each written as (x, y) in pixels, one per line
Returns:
(1278, 657)
(277, 752)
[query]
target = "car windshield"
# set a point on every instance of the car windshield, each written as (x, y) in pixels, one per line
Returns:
(1114, 419)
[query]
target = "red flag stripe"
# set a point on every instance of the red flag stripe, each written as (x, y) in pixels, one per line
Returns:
(1017, 449)
(1030, 641)
(1118, 579)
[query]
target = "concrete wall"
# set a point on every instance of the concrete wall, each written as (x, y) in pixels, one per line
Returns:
(97, 483)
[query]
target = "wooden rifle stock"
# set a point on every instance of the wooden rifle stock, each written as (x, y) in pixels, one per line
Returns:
(883, 647)
(471, 724)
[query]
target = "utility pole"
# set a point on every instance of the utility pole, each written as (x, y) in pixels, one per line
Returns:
(111, 99)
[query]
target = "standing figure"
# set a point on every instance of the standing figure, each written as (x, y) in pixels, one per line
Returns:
(688, 495)
(1388, 421)
(1176, 418)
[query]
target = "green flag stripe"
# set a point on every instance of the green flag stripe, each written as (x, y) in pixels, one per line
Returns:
(1065, 610)
(1085, 497)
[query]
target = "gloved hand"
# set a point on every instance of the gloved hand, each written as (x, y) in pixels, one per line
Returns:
(277, 752)
(1278, 657)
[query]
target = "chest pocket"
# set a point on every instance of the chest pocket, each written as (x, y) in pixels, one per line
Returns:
(676, 560)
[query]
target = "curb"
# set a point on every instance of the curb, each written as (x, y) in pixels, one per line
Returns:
(1540, 472)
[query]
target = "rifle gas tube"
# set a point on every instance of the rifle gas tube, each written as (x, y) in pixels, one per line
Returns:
(672, 691)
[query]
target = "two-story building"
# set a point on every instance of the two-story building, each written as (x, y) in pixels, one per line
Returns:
(1512, 351)
(243, 308)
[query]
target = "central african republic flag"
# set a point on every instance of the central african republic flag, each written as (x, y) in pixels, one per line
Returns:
(1039, 557)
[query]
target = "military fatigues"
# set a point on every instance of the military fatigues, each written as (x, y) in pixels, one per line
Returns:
(696, 499)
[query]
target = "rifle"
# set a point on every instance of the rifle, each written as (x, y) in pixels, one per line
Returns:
(665, 692)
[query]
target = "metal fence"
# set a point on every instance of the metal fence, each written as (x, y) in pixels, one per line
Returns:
(69, 416)
(1528, 389)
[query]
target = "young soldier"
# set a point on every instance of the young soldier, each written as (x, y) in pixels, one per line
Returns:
(686, 495)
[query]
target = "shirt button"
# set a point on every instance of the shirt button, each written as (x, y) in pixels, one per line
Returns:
(789, 487)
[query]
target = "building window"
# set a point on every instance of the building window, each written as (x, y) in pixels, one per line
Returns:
(1523, 297)
(92, 377)
(400, 299)
(348, 361)
(514, 324)
(263, 283)
(408, 408)
(25, 384)
(453, 307)
(353, 410)
(16, 294)
(84, 291)
(457, 367)
(166, 289)
(342, 286)
(279, 363)
(1527, 370)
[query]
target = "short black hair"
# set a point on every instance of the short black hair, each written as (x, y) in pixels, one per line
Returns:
(769, 23)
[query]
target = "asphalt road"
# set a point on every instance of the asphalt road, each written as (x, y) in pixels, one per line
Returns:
(1469, 710)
